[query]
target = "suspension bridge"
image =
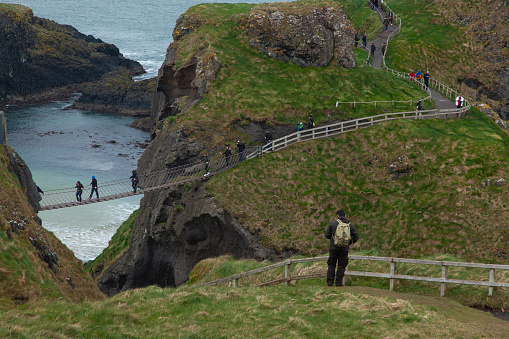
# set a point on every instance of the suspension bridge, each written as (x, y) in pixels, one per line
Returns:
(441, 94)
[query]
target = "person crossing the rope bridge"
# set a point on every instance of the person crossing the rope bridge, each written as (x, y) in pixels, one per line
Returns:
(134, 180)
(94, 188)
(227, 154)
(79, 191)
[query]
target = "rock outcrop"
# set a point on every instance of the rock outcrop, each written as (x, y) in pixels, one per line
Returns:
(175, 229)
(19, 168)
(37, 54)
(179, 88)
(309, 35)
(116, 92)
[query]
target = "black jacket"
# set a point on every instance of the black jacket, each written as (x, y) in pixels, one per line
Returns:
(331, 229)
(241, 147)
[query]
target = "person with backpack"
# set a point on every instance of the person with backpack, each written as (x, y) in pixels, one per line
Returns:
(94, 188)
(79, 191)
(341, 234)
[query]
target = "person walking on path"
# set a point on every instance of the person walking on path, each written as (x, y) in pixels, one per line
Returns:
(338, 252)
(412, 76)
(240, 149)
(383, 48)
(426, 79)
(206, 160)
(268, 136)
(418, 75)
(386, 24)
(79, 191)
(459, 101)
(373, 49)
(356, 39)
(311, 122)
(300, 126)
(94, 188)
(364, 40)
(227, 154)
(134, 180)
(418, 105)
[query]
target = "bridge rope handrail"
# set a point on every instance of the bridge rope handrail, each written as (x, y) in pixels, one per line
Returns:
(392, 276)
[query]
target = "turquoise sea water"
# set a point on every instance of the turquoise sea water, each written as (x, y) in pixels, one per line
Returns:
(57, 144)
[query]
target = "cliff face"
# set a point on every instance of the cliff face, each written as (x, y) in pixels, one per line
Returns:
(38, 54)
(175, 229)
(18, 167)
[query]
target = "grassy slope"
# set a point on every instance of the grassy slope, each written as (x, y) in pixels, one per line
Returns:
(252, 86)
(272, 312)
(24, 277)
(289, 197)
(439, 208)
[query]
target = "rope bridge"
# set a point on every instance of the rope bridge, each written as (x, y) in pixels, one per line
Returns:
(121, 188)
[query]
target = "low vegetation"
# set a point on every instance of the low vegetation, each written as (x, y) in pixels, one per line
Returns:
(273, 312)
(288, 198)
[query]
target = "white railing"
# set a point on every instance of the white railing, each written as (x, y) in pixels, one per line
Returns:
(349, 125)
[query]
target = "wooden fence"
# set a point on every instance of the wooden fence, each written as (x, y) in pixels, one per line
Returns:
(392, 275)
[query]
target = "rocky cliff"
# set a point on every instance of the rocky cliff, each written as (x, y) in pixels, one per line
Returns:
(37, 54)
(175, 229)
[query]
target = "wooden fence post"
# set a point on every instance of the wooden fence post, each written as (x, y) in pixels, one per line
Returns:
(492, 279)
(391, 281)
(443, 285)
(288, 271)
(235, 283)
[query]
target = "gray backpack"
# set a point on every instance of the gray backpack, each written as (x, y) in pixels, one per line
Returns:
(342, 236)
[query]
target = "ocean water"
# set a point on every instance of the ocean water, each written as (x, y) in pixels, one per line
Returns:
(62, 146)
(57, 144)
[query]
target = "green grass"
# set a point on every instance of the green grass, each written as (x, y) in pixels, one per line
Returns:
(431, 40)
(274, 312)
